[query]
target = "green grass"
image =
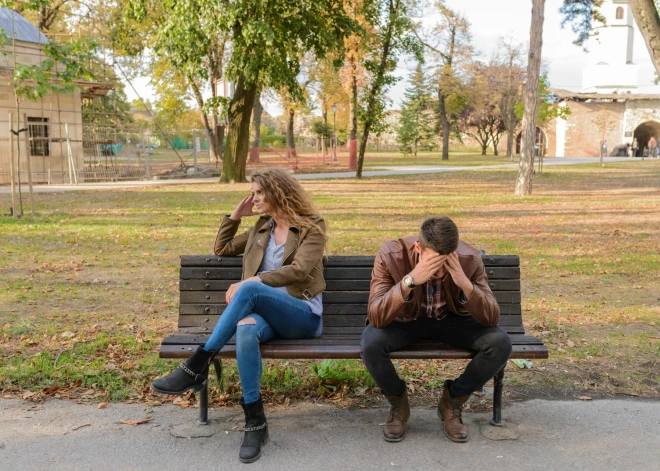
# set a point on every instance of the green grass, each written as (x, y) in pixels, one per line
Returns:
(102, 268)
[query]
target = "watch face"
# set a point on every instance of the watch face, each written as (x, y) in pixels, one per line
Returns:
(408, 281)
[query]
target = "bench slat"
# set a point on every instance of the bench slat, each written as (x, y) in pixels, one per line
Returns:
(413, 352)
(331, 285)
(330, 273)
(329, 297)
(209, 321)
(328, 309)
(333, 260)
(326, 339)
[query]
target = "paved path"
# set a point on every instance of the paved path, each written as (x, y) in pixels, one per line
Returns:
(539, 435)
(386, 171)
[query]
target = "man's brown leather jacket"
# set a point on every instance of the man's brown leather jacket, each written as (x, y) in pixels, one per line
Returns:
(397, 258)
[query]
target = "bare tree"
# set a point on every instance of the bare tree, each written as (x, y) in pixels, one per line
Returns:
(449, 41)
(605, 123)
(511, 90)
(526, 169)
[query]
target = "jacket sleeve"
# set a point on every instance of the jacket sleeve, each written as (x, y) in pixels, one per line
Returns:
(385, 297)
(307, 255)
(482, 304)
(225, 243)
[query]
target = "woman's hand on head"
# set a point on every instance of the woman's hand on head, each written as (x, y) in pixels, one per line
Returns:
(244, 208)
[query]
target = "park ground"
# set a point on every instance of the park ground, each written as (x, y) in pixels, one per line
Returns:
(89, 287)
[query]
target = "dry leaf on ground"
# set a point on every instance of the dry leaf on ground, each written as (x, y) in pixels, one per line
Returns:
(134, 423)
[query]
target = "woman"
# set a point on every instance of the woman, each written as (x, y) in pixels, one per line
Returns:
(279, 295)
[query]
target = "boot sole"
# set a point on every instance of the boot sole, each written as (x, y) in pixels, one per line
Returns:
(252, 460)
(395, 440)
(457, 440)
(196, 388)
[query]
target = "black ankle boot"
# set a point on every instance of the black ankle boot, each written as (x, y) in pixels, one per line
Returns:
(192, 374)
(256, 431)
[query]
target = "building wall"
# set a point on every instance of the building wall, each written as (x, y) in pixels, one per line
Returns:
(58, 109)
(582, 137)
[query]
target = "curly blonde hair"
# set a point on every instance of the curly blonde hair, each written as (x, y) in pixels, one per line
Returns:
(287, 198)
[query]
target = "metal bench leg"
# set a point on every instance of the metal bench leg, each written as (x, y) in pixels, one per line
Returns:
(497, 399)
(217, 364)
(204, 405)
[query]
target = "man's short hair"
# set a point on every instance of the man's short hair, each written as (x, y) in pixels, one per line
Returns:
(440, 234)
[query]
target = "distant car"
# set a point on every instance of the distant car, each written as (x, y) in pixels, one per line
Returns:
(152, 146)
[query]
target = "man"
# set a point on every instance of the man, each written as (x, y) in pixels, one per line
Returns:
(432, 286)
(652, 147)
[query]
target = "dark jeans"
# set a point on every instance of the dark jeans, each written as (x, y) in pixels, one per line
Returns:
(492, 344)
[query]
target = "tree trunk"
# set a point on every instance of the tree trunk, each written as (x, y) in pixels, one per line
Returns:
(526, 169)
(509, 144)
(290, 139)
(376, 86)
(256, 124)
(353, 125)
(646, 16)
(238, 134)
(442, 109)
(484, 148)
(324, 140)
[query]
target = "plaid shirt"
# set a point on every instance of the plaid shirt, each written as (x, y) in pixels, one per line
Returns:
(433, 304)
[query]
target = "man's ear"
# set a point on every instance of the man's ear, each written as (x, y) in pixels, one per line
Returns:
(418, 249)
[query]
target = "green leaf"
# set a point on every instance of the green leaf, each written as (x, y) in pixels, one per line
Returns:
(520, 363)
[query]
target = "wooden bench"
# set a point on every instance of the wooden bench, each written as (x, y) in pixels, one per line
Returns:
(204, 280)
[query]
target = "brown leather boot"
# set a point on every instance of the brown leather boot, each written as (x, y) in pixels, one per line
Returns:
(395, 428)
(450, 411)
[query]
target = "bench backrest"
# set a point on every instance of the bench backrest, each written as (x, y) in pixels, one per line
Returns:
(204, 280)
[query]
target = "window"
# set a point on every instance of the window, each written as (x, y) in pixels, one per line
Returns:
(619, 13)
(38, 134)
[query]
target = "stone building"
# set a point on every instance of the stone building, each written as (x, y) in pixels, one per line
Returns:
(610, 93)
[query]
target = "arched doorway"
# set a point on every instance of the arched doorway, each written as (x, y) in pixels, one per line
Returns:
(644, 132)
(541, 141)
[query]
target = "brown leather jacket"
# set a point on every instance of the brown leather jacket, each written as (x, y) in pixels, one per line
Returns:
(302, 264)
(397, 258)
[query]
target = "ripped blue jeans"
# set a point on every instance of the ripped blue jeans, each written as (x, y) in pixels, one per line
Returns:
(274, 313)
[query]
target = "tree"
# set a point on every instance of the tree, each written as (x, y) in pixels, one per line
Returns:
(526, 168)
(511, 95)
(449, 43)
(604, 122)
(256, 128)
(416, 122)
(253, 44)
(64, 65)
(481, 118)
(393, 37)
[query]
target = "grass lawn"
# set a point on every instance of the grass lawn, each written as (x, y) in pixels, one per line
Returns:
(90, 286)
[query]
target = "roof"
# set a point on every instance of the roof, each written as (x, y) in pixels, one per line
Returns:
(19, 28)
(566, 94)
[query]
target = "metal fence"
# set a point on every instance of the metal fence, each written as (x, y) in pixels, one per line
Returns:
(70, 153)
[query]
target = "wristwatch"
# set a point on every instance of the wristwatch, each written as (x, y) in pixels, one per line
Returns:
(409, 282)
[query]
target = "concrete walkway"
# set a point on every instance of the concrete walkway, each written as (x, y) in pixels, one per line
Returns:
(386, 171)
(539, 435)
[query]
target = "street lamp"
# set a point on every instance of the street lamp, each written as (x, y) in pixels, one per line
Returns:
(334, 130)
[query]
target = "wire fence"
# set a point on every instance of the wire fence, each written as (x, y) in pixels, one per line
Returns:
(69, 153)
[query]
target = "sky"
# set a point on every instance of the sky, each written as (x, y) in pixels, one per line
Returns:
(491, 20)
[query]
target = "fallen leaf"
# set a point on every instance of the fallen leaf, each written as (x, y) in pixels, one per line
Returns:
(584, 398)
(89, 392)
(103, 405)
(67, 335)
(28, 394)
(134, 423)
(520, 363)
